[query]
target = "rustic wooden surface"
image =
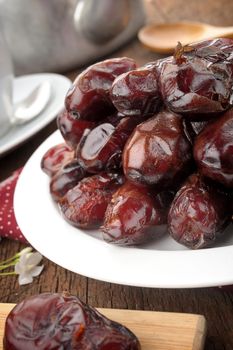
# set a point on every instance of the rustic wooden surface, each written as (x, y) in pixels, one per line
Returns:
(215, 304)
(155, 330)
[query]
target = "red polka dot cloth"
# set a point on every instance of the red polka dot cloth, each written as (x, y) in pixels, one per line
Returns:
(8, 225)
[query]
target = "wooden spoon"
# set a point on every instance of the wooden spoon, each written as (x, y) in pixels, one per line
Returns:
(163, 38)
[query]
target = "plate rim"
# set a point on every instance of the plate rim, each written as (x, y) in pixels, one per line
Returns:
(171, 269)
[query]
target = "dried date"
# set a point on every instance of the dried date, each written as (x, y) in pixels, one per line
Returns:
(55, 158)
(213, 150)
(158, 151)
(89, 97)
(52, 321)
(198, 214)
(133, 216)
(85, 204)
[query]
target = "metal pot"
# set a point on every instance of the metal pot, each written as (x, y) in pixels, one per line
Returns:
(57, 35)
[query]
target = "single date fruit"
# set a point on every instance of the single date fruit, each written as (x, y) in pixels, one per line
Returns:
(89, 97)
(198, 214)
(55, 158)
(66, 178)
(213, 150)
(133, 216)
(101, 148)
(158, 152)
(198, 80)
(137, 92)
(85, 204)
(52, 321)
(72, 129)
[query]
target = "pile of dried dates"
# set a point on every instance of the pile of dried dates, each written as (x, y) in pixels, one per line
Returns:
(51, 321)
(149, 146)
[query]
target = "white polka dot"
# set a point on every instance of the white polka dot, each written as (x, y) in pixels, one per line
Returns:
(8, 222)
(9, 215)
(1, 212)
(8, 187)
(1, 227)
(0, 219)
(6, 200)
(7, 194)
(17, 227)
(10, 232)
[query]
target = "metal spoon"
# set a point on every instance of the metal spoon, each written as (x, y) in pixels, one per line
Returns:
(33, 104)
(163, 38)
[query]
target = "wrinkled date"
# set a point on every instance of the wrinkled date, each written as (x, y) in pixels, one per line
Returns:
(213, 150)
(199, 79)
(89, 96)
(133, 216)
(136, 92)
(198, 214)
(158, 152)
(85, 204)
(72, 129)
(66, 178)
(55, 158)
(101, 148)
(54, 321)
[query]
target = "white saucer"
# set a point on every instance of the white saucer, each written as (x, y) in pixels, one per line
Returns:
(22, 87)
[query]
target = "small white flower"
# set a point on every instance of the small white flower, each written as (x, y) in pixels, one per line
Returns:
(27, 267)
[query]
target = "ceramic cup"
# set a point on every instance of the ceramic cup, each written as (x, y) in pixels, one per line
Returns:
(6, 87)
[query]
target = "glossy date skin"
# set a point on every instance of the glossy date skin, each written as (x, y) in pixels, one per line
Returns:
(101, 148)
(52, 321)
(133, 216)
(85, 204)
(89, 97)
(198, 214)
(158, 151)
(198, 81)
(213, 150)
(55, 158)
(66, 178)
(72, 129)
(137, 92)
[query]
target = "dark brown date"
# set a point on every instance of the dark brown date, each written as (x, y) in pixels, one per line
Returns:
(136, 92)
(133, 216)
(198, 81)
(66, 178)
(158, 152)
(55, 158)
(101, 148)
(89, 97)
(72, 129)
(213, 150)
(52, 321)
(85, 204)
(198, 214)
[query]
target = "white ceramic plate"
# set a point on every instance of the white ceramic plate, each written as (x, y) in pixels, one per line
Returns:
(163, 263)
(22, 87)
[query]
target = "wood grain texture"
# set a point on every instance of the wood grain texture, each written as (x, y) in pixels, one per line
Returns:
(155, 330)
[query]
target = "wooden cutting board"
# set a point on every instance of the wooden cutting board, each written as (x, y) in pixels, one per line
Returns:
(155, 330)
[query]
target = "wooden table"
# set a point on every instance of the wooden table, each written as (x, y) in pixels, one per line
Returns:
(214, 303)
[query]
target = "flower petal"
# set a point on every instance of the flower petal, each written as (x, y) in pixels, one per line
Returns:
(25, 278)
(34, 259)
(36, 270)
(19, 268)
